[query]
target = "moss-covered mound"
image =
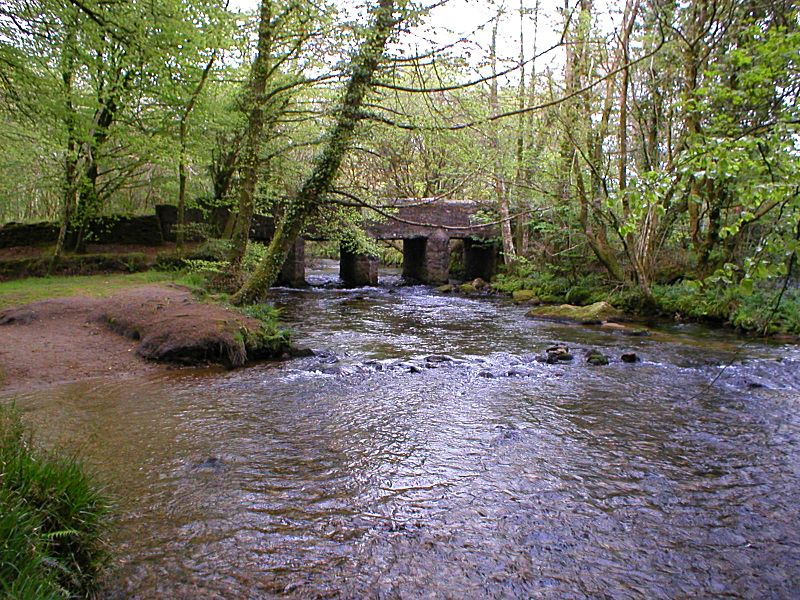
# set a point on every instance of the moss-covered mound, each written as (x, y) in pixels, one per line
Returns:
(525, 297)
(174, 327)
(593, 314)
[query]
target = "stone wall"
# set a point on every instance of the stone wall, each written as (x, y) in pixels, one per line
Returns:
(28, 234)
(144, 231)
(212, 221)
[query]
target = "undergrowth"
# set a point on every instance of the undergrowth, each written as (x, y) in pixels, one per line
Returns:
(52, 519)
(757, 312)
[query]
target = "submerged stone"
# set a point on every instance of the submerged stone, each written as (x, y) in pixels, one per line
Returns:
(630, 357)
(640, 332)
(300, 352)
(438, 358)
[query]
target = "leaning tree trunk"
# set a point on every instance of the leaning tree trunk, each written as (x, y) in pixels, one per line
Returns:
(308, 199)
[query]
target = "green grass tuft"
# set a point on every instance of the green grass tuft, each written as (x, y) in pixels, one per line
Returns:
(52, 520)
(269, 339)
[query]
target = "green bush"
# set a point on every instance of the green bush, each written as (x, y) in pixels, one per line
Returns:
(52, 520)
(690, 299)
(253, 255)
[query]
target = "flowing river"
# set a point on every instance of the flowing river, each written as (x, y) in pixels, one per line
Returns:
(424, 452)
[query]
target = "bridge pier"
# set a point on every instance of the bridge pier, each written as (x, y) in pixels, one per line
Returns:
(480, 259)
(427, 259)
(293, 272)
(357, 270)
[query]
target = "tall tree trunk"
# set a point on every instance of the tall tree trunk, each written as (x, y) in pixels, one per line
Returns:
(183, 135)
(312, 193)
(697, 19)
(519, 179)
(500, 188)
(249, 166)
(180, 231)
(70, 195)
(89, 202)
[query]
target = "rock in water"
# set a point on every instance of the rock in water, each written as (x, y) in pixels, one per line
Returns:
(594, 314)
(558, 354)
(596, 359)
(479, 283)
(630, 357)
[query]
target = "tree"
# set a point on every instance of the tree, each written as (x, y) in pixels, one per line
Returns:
(314, 189)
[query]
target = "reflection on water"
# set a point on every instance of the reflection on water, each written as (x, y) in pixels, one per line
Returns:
(424, 452)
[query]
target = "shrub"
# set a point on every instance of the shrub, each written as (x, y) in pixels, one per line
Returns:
(52, 520)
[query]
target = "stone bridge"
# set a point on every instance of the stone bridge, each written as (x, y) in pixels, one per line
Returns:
(425, 226)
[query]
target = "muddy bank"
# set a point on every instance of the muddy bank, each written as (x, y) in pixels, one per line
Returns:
(68, 339)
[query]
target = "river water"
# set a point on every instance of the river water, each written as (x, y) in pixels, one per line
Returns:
(424, 452)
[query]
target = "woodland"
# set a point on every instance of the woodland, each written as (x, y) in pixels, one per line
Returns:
(644, 152)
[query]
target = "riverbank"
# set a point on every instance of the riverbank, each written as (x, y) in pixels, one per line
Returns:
(764, 309)
(53, 519)
(131, 331)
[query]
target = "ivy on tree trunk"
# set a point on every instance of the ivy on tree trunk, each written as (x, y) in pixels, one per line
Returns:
(314, 189)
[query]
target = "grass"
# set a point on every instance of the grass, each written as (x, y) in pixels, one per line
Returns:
(22, 291)
(52, 520)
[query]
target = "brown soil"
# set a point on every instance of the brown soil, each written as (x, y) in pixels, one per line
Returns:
(68, 339)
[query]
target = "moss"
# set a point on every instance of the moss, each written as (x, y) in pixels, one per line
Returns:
(596, 359)
(467, 288)
(592, 314)
(525, 296)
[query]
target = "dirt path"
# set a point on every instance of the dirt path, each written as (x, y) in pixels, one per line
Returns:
(68, 339)
(59, 340)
